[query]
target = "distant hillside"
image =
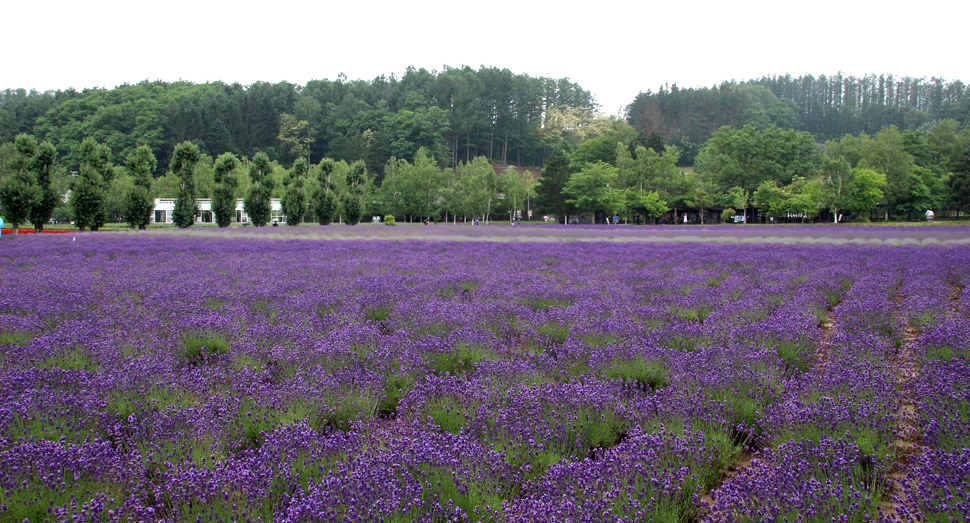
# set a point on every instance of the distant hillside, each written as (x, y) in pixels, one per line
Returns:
(828, 107)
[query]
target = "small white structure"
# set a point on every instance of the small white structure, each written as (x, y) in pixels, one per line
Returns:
(165, 206)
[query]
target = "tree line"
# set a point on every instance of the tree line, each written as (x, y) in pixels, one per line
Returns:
(755, 162)
(771, 173)
(456, 114)
(828, 107)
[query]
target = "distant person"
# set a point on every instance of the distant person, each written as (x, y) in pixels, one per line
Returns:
(929, 215)
(476, 221)
(616, 219)
(1, 225)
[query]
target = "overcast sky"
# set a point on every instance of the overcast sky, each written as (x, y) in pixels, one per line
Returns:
(614, 49)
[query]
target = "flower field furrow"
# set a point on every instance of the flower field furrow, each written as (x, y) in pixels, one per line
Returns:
(192, 378)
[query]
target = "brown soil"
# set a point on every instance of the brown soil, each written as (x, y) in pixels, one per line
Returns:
(909, 443)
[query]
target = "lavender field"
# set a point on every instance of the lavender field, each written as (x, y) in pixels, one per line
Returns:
(523, 374)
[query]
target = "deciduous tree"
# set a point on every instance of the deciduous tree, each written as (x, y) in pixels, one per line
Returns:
(325, 200)
(836, 186)
(89, 192)
(47, 196)
(770, 199)
(516, 187)
(224, 196)
(294, 200)
(804, 198)
(184, 158)
(358, 186)
(257, 203)
(594, 189)
(141, 164)
(18, 190)
(866, 190)
(739, 198)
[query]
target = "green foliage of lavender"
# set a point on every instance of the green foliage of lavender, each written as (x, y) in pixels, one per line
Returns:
(184, 377)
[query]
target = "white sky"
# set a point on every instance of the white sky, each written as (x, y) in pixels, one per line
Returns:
(614, 49)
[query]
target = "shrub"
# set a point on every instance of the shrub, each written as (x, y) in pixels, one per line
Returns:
(197, 347)
(389, 220)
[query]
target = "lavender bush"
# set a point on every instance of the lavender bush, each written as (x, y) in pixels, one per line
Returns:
(192, 377)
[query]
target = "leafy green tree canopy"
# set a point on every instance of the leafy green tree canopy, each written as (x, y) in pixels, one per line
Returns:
(184, 159)
(594, 189)
(224, 196)
(141, 163)
(89, 191)
(257, 202)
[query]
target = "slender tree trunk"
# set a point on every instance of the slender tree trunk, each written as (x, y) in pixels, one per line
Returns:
(491, 141)
(454, 149)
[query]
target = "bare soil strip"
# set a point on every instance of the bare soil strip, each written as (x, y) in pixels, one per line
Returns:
(909, 442)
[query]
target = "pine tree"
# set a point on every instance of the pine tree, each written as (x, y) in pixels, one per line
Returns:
(549, 191)
(959, 197)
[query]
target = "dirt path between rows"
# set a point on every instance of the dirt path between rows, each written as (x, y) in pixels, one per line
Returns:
(909, 441)
(909, 445)
(822, 353)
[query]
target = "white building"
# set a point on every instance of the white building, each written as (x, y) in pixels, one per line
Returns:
(165, 206)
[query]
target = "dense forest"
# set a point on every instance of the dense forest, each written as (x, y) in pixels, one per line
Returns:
(828, 107)
(456, 114)
(428, 145)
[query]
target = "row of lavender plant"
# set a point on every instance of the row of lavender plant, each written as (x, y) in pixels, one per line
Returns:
(184, 379)
(937, 303)
(834, 428)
